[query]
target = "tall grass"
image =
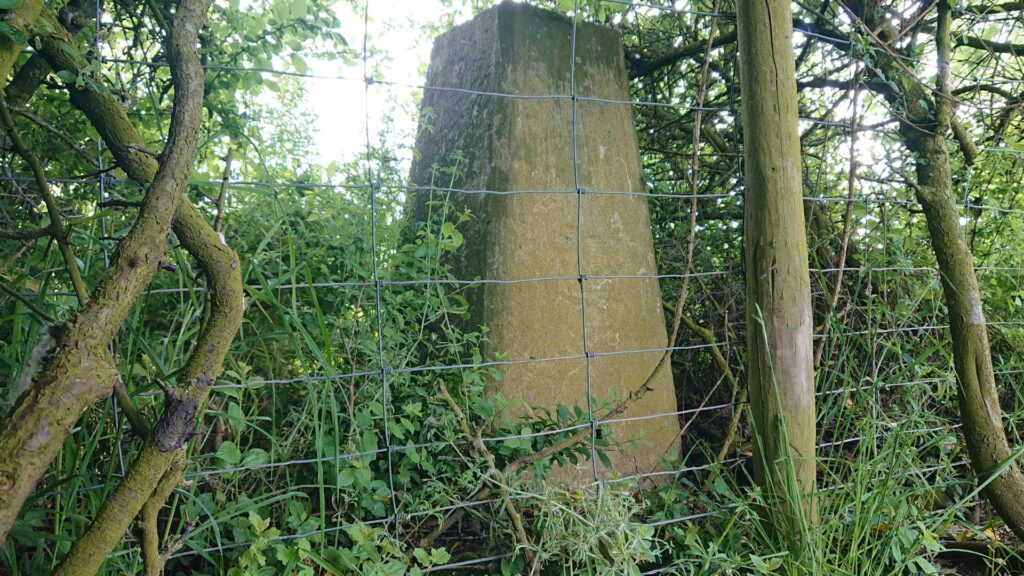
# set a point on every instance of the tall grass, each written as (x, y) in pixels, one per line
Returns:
(297, 475)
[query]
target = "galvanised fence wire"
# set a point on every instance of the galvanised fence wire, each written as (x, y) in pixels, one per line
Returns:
(843, 119)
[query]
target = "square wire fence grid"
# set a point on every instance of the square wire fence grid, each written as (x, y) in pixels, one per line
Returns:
(880, 303)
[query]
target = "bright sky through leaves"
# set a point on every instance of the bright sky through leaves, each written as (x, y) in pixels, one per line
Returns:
(399, 47)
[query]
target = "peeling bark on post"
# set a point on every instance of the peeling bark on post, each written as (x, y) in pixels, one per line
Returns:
(779, 327)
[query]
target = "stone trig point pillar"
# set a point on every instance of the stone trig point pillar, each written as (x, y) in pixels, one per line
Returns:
(499, 93)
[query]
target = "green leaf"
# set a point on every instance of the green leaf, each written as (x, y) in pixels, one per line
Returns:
(439, 556)
(280, 10)
(258, 523)
(10, 4)
(363, 477)
(421, 556)
(255, 457)
(324, 564)
(229, 453)
(299, 64)
(67, 77)
(236, 419)
(718, 486)
(563, 414)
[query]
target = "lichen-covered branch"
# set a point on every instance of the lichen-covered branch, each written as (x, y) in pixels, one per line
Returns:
(151, 557)
(925, 122)
(202, 242)
(24, 19)
(183, 402)
(80, 370)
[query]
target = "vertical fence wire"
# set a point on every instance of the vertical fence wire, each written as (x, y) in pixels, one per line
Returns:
(104, 225)
(580, 191)
(372, 180)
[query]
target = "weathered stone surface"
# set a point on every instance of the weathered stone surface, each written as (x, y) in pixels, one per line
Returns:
(519, 138)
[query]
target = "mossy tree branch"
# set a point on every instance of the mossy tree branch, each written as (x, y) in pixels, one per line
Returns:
(196, 235)
(926, 119)
(989, 45)
(25, 18)
(151, 557)
(81, 370)
(202, 242)
(30, 75)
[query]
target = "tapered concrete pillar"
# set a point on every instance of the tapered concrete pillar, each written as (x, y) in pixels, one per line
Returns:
(500, 96)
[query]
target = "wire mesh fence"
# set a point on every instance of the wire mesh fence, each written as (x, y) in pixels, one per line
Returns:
(876, 309)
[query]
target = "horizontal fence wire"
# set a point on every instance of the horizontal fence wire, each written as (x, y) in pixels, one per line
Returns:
(458, 90)
(556, 431)
(566, 192)
(629, 479)
(531, 280)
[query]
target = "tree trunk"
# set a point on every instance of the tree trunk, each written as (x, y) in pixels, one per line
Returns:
(979, 402)
(926, 122)
(779, 335)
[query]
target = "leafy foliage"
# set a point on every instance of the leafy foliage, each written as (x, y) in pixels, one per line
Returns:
(308, 447)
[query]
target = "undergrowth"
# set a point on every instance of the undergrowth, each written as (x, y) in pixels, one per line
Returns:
(309, 452)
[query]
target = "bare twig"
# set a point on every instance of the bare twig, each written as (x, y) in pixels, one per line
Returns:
(30, 304)
(851, 192)
(225, 183)
(56, 228)
(25, 234)
(71, 142)
(493, 474)
(135, 418)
